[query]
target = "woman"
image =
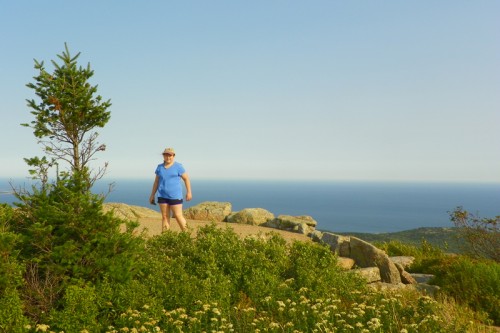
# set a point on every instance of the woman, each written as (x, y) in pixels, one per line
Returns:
(168, 185)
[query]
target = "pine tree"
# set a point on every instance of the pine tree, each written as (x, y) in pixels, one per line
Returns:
(66, 115)
(65, 238)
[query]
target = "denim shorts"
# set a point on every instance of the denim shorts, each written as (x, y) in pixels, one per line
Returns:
(170, 202)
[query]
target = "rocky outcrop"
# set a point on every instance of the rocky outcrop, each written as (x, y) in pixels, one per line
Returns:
(221, 211)
(422, 278)
(364, 255)
(252, 216)
(370, 274)
(209, 211)
(345, 263)
(406, 277)
(367, 255)
(337, 243)
(302, 224)
(129, 212)
(316, 236)
(384, 286)
(380, 271)
(427, 288)
(404, 261)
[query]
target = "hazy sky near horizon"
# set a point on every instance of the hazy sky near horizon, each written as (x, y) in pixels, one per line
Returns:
(334, 90)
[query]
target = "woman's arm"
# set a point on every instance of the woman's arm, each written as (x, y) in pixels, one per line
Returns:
(153, 191)
(187, 182)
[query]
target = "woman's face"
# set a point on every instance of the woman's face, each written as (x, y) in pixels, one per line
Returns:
(168, 157)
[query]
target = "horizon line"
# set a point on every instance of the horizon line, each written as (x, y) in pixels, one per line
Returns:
(315, 180)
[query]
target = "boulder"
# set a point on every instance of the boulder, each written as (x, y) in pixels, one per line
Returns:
(367, 255)
(422, 278)
(404, 261)
(406, 277)
(301, 224)
(345, 263)
(428, 289)
(253, 216)
(316, 236)
(338, 244)
(308, 220)
(209, 211)
(383, 286)
(371, 274)
(129, 212)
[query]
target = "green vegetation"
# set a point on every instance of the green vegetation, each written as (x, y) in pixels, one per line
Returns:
(472, 282)
(66, 113)
(481, 235)
(11, 276)
(65, 266)
(469, 281)
(447, 239)
(472, 235)
(216, 281)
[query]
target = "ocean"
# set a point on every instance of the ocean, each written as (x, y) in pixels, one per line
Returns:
(337, 206)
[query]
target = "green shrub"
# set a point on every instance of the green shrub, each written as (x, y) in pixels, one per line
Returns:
(314, 267)
(12, 318)
(217, 264)
(397, 248)
(226, 270)
(10, 269)
(480, 236)
(179, 270)
(65, 230)
(475, 283)
(218, 282)
(79, 311)
(66, 239)
(427, 257)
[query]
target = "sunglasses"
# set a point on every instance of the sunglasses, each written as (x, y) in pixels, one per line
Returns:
(169, 155)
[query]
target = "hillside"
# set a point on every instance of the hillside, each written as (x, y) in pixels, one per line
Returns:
(444, 238)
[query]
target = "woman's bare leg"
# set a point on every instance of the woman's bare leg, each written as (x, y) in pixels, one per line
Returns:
(177, 210)
(165, 217)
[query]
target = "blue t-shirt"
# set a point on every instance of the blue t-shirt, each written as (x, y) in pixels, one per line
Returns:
(169, 185)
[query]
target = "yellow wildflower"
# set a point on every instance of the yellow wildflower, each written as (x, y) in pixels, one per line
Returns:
(42, 328)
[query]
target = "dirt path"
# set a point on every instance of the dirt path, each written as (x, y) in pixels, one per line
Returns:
(150, 220)
(153, 227)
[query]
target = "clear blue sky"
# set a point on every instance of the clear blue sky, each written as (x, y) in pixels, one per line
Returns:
(340, 90)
